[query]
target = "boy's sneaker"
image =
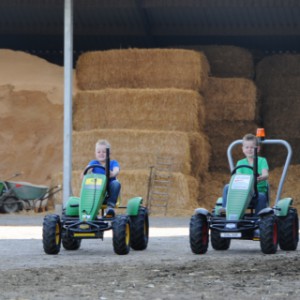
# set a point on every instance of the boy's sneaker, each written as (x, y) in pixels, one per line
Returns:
(110, 213)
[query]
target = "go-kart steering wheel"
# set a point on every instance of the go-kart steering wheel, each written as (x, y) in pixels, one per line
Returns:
(91, 167)
(239, 167)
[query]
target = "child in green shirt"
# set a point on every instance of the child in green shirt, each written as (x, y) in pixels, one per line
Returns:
(250, 142)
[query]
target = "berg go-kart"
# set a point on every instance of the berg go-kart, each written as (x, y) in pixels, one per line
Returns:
(80, 219)
(273, 225)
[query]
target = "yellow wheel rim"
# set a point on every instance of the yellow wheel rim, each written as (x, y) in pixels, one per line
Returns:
(57, 234)
(127, 234)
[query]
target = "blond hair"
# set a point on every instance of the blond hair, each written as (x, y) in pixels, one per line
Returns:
(250, 137)
(102, 143)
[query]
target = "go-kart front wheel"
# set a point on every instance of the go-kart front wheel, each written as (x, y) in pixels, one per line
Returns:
(52, 234)
(121, 235)
(288, 228)
(198, 234)
(71, 244)
(139, 231)
(268, 227)
(217, 242)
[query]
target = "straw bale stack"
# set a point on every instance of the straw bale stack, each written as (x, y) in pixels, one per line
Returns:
(183, 193)
(281, 116)
(232, 99)
(142, 68)
(152, 109)
(227, 61)
(221, 134)
(138, 149)
(279, 75)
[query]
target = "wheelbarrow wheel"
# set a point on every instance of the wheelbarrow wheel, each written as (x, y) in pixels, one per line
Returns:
(10, 205)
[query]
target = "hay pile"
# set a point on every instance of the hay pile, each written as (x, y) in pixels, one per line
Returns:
(142, 68)
(146, 103)
(227, 61)
(31, 117)
(152, 109)
(230, 105)
(278, 79)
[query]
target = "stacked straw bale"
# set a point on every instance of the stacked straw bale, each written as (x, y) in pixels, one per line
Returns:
(142, 68)
(152, 109)
(230, 105)
(138, 149)
(147, 104)
(230, 99)
(227, 61)
(278, 79)
(184, 191)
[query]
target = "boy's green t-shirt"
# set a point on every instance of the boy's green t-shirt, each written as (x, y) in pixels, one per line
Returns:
(262, 163)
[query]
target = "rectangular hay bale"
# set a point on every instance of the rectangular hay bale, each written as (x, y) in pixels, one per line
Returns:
(152, 109)
(232, 99)
(138, 149)
(142, 68)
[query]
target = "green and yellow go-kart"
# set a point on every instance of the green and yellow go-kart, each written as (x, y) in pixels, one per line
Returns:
(81, 220)
(272, 226)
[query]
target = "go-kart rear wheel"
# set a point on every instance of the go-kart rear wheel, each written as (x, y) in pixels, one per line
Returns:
(10, 205)
(71, 244)
(268, 227)
(288, 228)
(121, 235)
(52, 234)
(139, 231)
(217, 242)
(199, 234)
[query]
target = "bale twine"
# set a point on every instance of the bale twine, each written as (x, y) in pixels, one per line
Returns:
(152, 109)
(142, 68)
(232, 99)
(138, 149)
(183, 192)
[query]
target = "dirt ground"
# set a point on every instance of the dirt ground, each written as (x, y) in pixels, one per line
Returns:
(167, 269)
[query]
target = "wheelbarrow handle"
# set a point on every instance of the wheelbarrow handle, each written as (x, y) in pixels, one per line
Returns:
(53, 190)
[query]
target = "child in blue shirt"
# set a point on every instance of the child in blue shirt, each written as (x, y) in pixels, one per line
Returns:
(114, 184)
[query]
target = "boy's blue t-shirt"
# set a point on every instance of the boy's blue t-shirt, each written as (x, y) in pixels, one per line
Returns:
(113, 164)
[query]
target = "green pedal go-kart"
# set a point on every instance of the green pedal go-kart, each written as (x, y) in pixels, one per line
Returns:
(80, 219)
(272, 226)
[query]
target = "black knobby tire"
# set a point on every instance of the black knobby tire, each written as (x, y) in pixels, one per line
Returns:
(288, 231)
(71, 243)
(199, 234)
(10, 205)
(52, 234)
(121, 235)
(139, 231)
(268, 227)
(217, 242)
